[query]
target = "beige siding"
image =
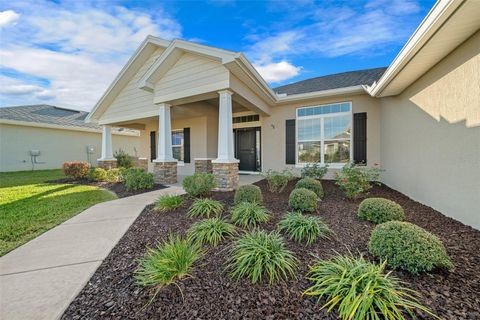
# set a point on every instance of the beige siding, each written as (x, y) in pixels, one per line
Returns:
(56, 146)
(273, 129)
(191, 75)
(132, 101)
(431, 136)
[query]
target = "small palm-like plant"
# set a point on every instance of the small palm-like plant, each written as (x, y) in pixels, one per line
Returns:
(247, 214)
(210, 231)
(260, 254)
(167, 263)
(301, 228)
(205, 208)
(361, 290)
(168, 202)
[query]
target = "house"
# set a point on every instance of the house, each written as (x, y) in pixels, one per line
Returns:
(200, 108)
(44, 137)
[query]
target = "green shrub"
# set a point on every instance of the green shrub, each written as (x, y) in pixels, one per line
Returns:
(113, 175)
(311, 184)
(355, 181)
(300, 228)
(138, 179)
(408, 247)
(361, 290)
(205, 208)
(303, 200)
(277, 181)
(97, 174)
(248, 193)
(210, 231)
(124, 160)
(76, 169)
(314, 171)
(199, 184)
(259, 254)
(246, 214)
(379, 210)
(169, 262)
(168, 202)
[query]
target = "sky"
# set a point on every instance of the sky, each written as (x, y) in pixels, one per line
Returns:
(66, 53)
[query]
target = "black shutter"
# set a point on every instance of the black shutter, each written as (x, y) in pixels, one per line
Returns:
(290, 141)
(186, 145)
(360, 137)
(153, 145)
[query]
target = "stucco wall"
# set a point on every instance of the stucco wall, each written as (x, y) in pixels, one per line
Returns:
(430, 146)
(56, 146)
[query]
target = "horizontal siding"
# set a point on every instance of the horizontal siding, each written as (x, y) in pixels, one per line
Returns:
(189, 75)
(131, 99)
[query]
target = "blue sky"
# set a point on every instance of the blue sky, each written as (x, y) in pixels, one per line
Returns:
(67, 52)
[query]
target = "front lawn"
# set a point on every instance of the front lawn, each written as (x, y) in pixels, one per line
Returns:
(30, 206)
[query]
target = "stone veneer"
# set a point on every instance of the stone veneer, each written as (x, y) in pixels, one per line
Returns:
(203, 165)
(226, 175)
(107, 164)
(141, 163)
(165, 172)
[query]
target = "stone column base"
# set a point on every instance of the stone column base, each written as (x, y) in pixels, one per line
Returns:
(165, 172)
(203, 165)
(141, 163)
(226, 175)
(107, 164)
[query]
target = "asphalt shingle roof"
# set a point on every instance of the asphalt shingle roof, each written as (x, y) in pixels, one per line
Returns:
(333, 81)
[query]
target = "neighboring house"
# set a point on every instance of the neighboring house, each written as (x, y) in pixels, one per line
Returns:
(44, 137)
(200, 108)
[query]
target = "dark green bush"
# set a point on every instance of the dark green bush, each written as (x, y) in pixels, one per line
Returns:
(124, 160)
(300, 228)
(138, 179)
(277, 181)
(311, 184)
(408, 247)
(210, 231)
(205, 208)
(303, 200)
(361, 290)
(246, 214)
(379, 210)
(314, 171)
(259, 254)
(97, 174)
(248, 193)
(199, 184)
(168, 202)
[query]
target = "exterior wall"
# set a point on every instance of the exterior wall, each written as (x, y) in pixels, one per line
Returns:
(56, 146)
(430, 145)
(273, 129)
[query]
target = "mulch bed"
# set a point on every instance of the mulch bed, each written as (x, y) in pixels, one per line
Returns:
(211, 294)
(116, 187)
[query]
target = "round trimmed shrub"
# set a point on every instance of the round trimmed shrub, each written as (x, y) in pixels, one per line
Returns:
(408, 247)
(138, 179)
(303, 200)
(97, 174)
(248, 193)
(380, 210)
(199, 184)
(311, 184)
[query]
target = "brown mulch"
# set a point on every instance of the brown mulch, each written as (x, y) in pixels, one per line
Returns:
(211, 294)
(116, 187)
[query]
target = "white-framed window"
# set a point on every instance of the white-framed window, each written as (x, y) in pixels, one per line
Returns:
(324, 134)
(177, 145)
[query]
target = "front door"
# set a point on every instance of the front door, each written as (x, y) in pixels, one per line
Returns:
(247, 148)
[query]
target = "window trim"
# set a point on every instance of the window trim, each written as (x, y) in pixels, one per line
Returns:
(179, 163)
(322, 134)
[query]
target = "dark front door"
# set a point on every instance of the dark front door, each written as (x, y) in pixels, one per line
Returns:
(246, 148)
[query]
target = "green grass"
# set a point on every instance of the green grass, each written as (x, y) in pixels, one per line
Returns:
(29, 206)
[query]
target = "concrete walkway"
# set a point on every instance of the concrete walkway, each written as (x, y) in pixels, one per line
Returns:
(39, 279)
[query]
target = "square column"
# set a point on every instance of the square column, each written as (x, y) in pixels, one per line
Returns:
(165, 166)
(225, 167)
(107, 161)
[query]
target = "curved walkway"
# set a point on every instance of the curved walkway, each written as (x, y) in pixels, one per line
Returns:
(39, 279)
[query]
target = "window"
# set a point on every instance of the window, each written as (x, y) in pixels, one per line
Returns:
(177, 145)
(324, 133)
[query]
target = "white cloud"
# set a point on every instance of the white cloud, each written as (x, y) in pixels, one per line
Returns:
(8, 17)
(14, 88)
(276, 72)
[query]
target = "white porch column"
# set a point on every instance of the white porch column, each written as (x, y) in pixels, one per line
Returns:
(164, 148)
(225, 129)
(107, 153)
